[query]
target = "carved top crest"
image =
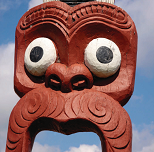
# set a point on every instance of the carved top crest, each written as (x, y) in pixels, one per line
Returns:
(109, 13)
(80, 1)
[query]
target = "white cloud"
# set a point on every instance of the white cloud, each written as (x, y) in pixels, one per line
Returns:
(143, 139)
(33, 3)
(142, 12)
(83, 148)
(7, 96)
(136, 98)
(148, 148)
(44, 148)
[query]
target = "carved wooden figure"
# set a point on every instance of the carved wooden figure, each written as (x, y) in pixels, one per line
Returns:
(74, 70)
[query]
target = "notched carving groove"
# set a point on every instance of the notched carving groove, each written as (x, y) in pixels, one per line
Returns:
(111, 14)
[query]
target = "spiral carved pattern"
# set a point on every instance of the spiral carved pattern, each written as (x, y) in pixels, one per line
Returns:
(97, 107)
(72, 106)
(32, 106)
(110, 117)
(106, 113)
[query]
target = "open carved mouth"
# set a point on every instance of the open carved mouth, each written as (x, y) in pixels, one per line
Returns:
(54, 141)
(79, 126)
(87, 111)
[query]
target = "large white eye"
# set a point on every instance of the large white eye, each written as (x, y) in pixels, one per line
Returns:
(39, 54)
(102, 57)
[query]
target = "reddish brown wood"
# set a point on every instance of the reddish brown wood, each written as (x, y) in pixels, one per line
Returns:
(69, 98)
(44, 109)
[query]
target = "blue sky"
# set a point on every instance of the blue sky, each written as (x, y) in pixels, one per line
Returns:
(140, 107)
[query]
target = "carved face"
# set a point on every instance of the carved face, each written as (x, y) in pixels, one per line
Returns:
(90, 46)
(72, 65)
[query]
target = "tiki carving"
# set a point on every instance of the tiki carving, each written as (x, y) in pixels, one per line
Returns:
(74, 70)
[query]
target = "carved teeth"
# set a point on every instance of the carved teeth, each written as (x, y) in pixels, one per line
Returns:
(107, 1)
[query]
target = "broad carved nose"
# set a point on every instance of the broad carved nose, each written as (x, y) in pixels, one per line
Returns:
(76, 77)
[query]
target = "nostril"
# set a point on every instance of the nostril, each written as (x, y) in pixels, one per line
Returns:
(66, 79)
(79, 83)
(54, 82)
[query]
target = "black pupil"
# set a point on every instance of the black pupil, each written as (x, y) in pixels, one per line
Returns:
(36, 54)
(104, 54)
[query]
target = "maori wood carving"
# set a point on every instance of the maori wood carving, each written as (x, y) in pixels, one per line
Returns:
(70, 93)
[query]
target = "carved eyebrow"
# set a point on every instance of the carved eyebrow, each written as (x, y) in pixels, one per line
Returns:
(71, 15)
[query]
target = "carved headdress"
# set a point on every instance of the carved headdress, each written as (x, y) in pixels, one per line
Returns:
(80, 1)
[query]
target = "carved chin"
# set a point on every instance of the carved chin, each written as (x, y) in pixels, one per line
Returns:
(87, 111)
